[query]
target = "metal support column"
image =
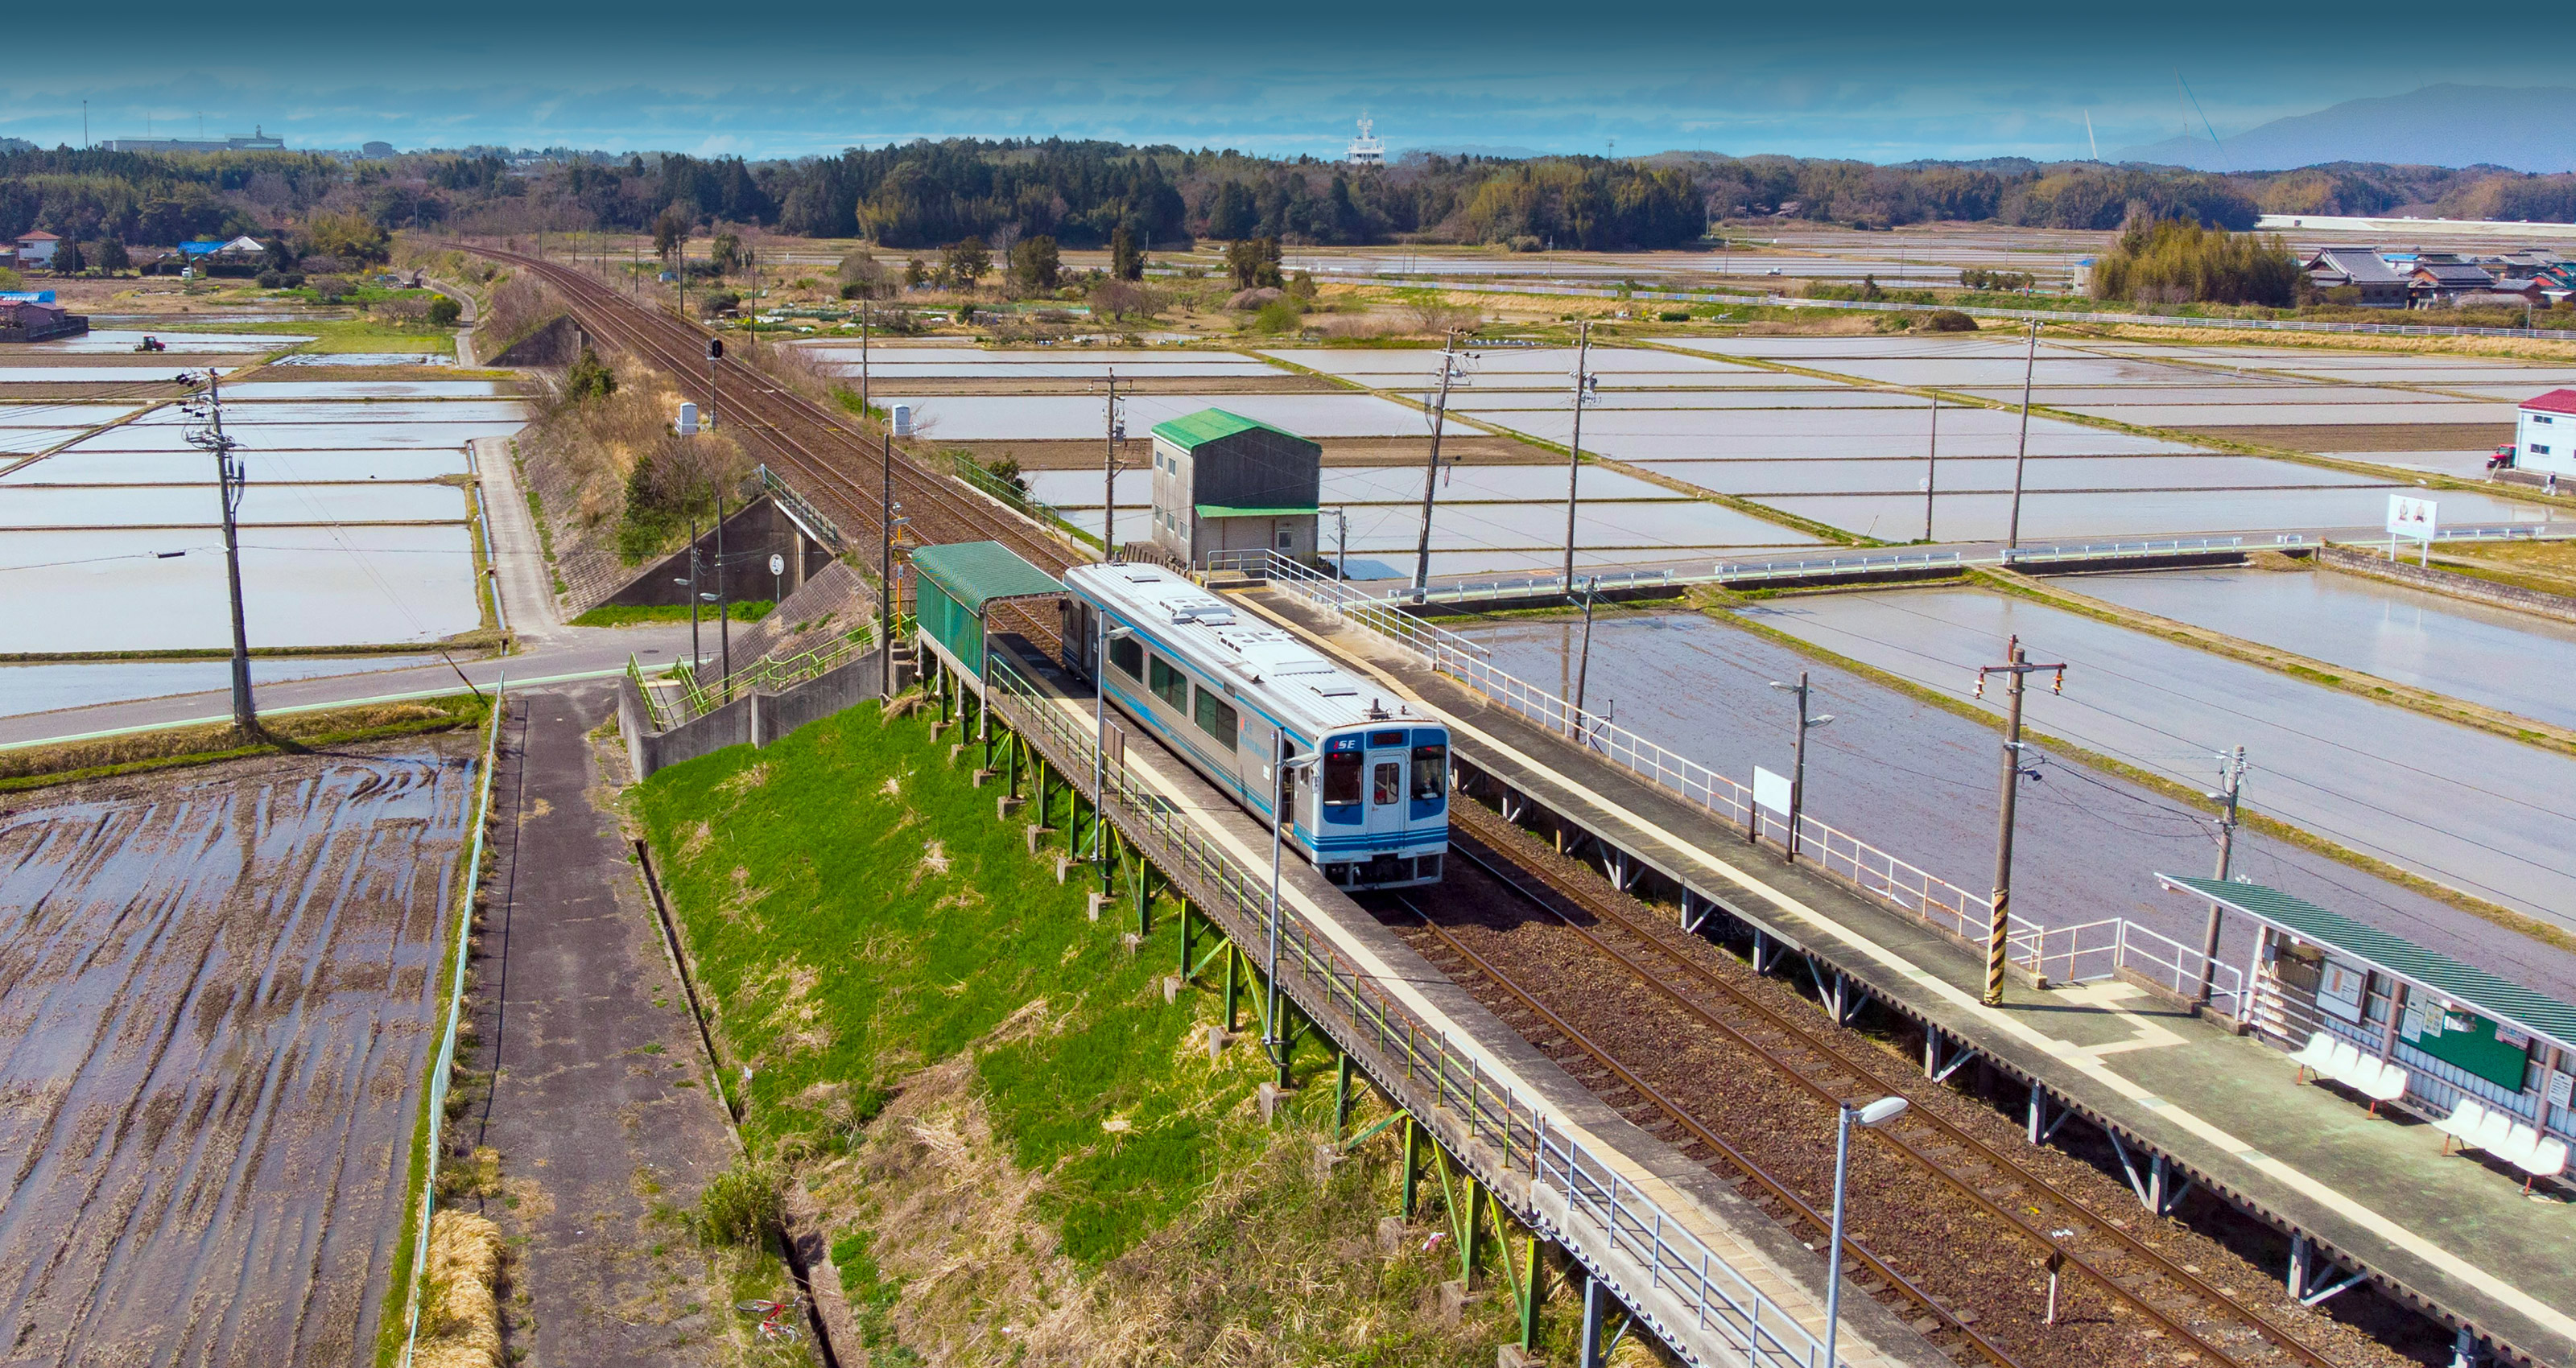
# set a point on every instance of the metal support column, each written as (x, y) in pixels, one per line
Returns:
(1412, 1169)
(1596, 1309)
(1341, 1092)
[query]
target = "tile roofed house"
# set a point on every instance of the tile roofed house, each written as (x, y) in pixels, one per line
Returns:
(1224, 482)
(2361, 269)
(2443, 282)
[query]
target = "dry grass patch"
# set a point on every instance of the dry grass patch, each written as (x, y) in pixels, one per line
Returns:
(460, 1309)
(31, 766)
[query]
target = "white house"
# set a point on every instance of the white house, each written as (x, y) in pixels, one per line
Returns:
(37, 248)
(2544, 436)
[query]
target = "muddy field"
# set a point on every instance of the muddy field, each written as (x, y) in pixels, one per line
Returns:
(217, 995)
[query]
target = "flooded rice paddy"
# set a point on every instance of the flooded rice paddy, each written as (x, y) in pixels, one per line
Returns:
(220, 992)
(2517, 662)
(353, 530)
(2465, 808)
(1920, 781)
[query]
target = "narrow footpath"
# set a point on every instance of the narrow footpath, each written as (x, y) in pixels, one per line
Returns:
(600, 1106)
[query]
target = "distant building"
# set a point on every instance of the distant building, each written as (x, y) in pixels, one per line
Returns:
(377, 150)
(2545, 434)
(1367, 149)
(37, 248)
(1224, 482)
(258, 141)
(2359, 268)
(2444, 282)
(28, 320)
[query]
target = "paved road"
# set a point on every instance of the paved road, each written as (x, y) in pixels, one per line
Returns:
(518, 550)
(601, 1106)
(1920, 782)
(578, 651)
(2465, 808)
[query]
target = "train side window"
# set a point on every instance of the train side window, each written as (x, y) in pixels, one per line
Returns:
(1128, 656)
(1342, 777)
(1216, 717)
(1430, 772)
(1389, 783)
(1171, 685)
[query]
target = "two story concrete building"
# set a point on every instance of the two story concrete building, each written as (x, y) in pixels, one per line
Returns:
(1224, 482)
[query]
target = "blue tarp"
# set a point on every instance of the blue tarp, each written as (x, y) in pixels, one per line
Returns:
(27, 296)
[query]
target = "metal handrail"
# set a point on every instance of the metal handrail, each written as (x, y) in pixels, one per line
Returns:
(1719, 1297)
(784, 493)
(767, 675)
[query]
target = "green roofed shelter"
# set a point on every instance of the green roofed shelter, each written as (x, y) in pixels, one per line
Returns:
(2455, 1013)
(1224, 482)
(956, 583)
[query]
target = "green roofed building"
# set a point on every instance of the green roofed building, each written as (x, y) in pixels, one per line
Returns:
(1224, 482)
(954, 585)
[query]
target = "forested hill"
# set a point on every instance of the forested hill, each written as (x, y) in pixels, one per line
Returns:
(927, 194)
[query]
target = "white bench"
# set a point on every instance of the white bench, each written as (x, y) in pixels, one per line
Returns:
(2475, 1125)
(2328, 1057)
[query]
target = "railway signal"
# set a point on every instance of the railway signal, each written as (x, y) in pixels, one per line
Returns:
(2015, 669)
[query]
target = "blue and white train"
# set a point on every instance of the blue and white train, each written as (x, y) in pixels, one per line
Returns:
(1225, 695)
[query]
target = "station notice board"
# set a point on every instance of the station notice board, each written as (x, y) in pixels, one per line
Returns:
(2476, 1049)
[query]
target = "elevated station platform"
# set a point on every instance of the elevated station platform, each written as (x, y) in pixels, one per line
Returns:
(2185, 1099)
(1716, 1278)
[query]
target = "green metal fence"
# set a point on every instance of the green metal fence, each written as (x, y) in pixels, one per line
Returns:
(673, 696)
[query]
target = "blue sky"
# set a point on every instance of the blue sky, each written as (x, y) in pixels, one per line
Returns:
(1875, 82)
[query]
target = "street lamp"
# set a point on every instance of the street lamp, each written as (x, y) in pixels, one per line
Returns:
(1288, 764)
(1874, 1115)
(1798, 765)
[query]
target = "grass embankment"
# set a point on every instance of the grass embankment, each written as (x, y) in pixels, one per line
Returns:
(1021, 1151)
(29, 767)
(611, 615)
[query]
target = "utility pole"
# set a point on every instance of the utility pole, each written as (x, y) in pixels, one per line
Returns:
(2021, 453)
(863, 356)
(724, 605)
(1586, 390)
(1449, 373)
(887, 509)
(2231, 779)
(1342, 555)
(2016, 668)
(1112, 429)
(1807, 722)
(1931, 467)
(697, 654)
(1583, 669)
(228, 481)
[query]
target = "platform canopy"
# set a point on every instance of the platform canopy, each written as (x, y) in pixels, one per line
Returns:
(2429, 971)
(958, 581)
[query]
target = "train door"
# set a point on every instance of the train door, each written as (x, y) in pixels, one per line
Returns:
(1080, 632)
(1387, 753)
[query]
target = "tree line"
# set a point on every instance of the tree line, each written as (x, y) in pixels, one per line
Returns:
(1087, 193)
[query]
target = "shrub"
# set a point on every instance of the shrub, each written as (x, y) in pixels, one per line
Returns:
(2001, 282)
(271, 280)
(1673, 316)
(589, 378)
(741, 1205)
(721, 301)
(1277, 316)
(443, 312)
(1948, 320)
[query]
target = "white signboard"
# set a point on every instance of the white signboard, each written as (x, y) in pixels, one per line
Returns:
(1771, 790)
(2410, 517)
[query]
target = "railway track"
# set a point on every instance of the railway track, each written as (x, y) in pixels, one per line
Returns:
(1976, 1222)
(1981, 1227)
(836, 466)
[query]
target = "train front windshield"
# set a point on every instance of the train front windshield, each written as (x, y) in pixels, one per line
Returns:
(1430, 771)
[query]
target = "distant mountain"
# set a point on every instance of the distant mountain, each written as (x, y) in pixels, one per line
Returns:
(2525, 128)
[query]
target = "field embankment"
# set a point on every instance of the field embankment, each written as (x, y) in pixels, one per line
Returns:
(1021, 1150)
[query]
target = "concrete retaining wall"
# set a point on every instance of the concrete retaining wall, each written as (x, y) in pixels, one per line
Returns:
(2450, 582)
(754, 719)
